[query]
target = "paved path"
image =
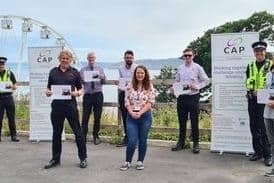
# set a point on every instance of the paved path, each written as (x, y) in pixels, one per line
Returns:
(22, 163)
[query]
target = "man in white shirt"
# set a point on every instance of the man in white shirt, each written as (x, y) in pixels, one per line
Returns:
(194, 78)
(125, 73)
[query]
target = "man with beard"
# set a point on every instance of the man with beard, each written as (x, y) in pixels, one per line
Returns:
(125, 73)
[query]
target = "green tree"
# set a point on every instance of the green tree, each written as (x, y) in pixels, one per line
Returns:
(261, 22)
(162, 89)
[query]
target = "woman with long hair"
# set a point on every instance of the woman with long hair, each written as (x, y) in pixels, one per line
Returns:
(139, 98)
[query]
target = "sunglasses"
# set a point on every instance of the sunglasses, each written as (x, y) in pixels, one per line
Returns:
(187, 55)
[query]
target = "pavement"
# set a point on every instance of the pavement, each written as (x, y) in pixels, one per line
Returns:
(23, 163)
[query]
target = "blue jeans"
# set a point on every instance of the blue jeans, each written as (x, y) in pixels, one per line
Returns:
(137, 130)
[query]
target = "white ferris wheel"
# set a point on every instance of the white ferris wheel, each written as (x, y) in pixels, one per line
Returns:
(17, 33)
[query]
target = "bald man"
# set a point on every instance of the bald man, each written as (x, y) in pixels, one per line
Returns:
(93, 78)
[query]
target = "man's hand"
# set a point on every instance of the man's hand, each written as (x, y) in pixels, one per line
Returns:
(75, 93)
(48, 93)
(13, 87)
(171, 89)
(271, 104)
(193, 87)
(116, 82)
(102, 76)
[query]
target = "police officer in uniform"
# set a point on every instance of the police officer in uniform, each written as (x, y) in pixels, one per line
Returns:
(6, 99)
(64, 74)
(256, 79)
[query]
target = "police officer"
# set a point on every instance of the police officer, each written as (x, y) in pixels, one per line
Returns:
(93, 97)
(256, 79)
(8, 80)
(64, 74)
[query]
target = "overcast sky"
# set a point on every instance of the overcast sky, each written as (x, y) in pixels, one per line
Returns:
(152, 28)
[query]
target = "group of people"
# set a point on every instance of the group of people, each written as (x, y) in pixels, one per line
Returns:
(136, 99)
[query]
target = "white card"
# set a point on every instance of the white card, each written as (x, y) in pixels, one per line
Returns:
(5, 86)
(181, 89)
(90, 76)
(263, 96)
(123, 83)
(61, 92)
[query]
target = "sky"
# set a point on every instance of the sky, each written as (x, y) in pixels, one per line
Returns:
(151, 28)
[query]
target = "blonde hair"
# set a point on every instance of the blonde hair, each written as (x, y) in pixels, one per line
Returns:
(67, 53)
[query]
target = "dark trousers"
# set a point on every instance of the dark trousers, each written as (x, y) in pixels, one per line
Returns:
(7, 103)
(60, 110)
(137, 130)
(123, 109)
(188, 105)
(92, 102)
(260, 142)
(269, 124)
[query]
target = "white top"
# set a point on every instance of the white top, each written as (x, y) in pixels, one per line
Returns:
(124, 72)
(192, 74)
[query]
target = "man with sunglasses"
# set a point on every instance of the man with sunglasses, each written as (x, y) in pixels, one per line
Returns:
(194, 78)
(7, 79)
(256, 79)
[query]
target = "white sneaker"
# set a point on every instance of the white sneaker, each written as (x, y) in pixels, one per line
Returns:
(140, 165)
(125, 166)
(270, 174)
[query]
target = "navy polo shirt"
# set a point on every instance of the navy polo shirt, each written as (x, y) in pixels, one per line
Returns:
(70, 77)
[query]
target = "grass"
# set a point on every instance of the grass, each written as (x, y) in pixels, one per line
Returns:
(163, 117)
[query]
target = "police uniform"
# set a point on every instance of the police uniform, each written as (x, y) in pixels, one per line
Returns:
(62, 109)
(7, 102)
(256, 79)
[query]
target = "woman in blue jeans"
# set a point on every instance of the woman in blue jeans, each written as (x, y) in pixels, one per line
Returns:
(139, 98)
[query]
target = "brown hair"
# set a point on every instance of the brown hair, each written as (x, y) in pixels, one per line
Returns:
(146, 82)
(129, 52)
(188, 50)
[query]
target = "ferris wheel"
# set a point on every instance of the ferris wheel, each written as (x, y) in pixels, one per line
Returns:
(17, 33)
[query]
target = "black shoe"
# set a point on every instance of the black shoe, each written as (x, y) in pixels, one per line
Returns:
(96, 140)
(14, 138)
(196, 148)
(51, 164)
(122, 144)
(255, 157)
(83, 163)
(268, 161)
(178, 147)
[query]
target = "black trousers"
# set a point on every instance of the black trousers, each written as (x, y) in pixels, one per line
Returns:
(92, 102)
(123, 109)
(261, 145)
(7, 103)
(188, 105)
(62, 110)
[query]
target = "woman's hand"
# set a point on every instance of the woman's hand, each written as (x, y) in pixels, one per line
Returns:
(48, 93)
(134, 115)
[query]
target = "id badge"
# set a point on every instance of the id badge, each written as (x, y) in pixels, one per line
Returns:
(137, 106)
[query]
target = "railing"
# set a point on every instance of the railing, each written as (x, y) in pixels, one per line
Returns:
(203, 106)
